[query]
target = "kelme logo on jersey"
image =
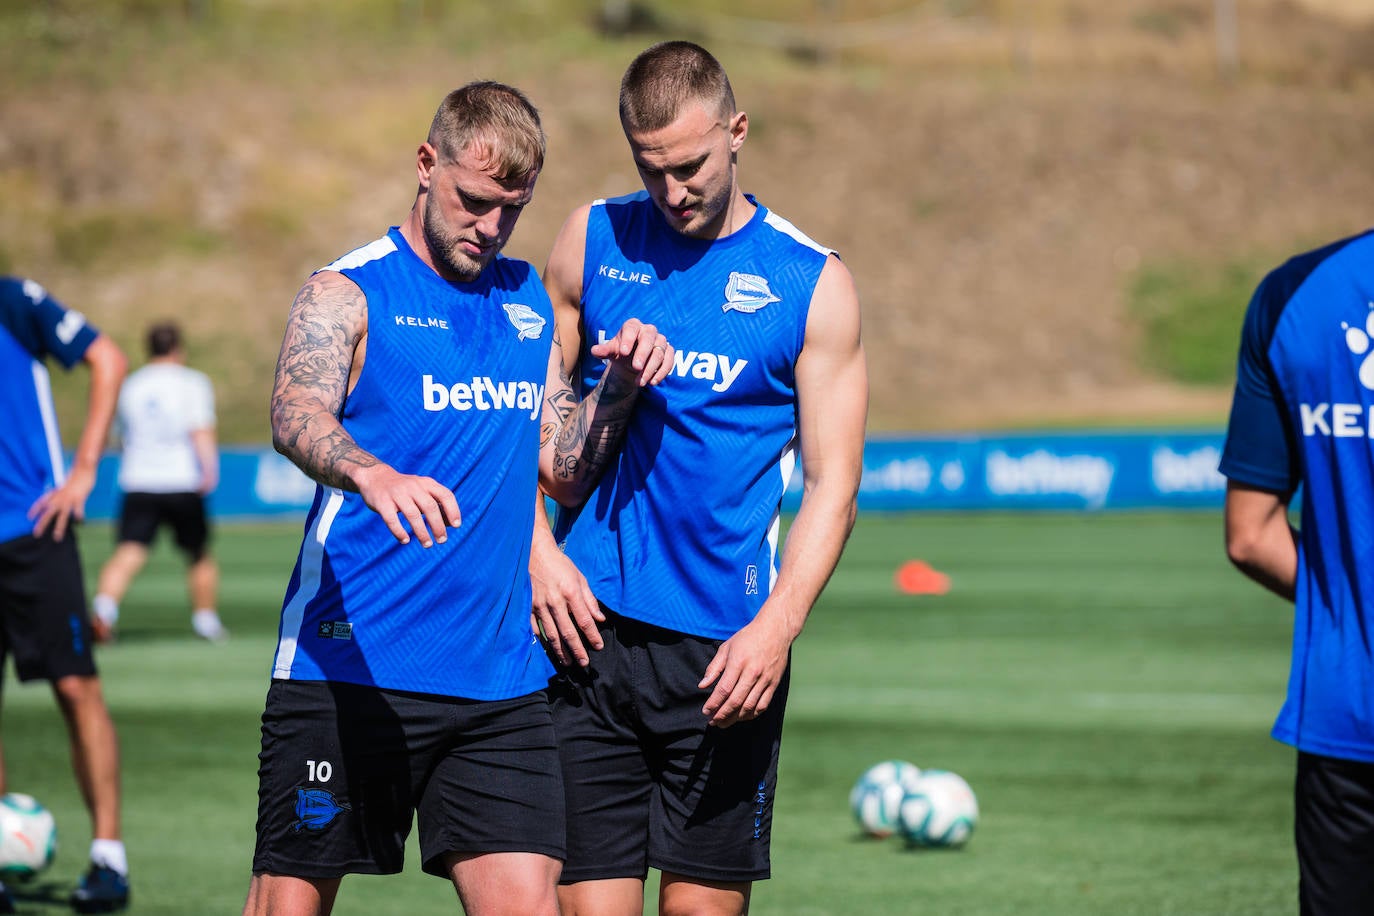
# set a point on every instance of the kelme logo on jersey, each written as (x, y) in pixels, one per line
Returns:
(483, 393)
(747, 293)
(524, 319)
(1346, 421)
(717, 368)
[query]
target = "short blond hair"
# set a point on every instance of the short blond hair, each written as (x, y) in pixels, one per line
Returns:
(666, 77)
(496, 117)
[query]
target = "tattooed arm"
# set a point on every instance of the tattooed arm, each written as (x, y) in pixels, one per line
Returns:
(322, 354)
(578, 439)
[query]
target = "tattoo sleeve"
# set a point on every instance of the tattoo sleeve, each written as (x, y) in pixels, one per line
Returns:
(327, 322)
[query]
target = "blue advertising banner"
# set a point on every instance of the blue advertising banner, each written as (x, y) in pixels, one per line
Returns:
(1039, 471)
(1084, 471)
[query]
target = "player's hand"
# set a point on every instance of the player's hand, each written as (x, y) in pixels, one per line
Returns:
(428, 507)
(638, 352)
(565, 612)
(746, 671)
(59, 508)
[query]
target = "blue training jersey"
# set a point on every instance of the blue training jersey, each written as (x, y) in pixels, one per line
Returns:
(33, 326)
(1304, 412)
(682, 531)
(451, 388)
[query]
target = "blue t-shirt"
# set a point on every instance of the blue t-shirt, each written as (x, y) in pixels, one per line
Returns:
(1304, 414)
(33, 326)
(451, 389)
(682, 531)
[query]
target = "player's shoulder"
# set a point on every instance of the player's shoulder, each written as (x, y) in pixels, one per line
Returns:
(788, 231)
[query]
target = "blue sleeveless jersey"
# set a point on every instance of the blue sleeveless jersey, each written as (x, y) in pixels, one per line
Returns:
(1304, 412)
(33, 326)
(451, 389)
(682, 532)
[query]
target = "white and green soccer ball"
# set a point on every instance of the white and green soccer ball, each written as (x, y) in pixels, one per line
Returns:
(938, 810)
(877, 796)
(28, 836)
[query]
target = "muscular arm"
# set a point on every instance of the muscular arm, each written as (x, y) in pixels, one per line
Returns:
(321, 356)
(1259, 540)
(58, 507)
(832, 406)
(324, 332)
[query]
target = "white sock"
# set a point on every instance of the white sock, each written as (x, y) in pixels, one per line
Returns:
(106, 608)
(205, 621)
(110, 853)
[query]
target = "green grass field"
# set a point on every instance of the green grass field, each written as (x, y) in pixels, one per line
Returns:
(1105, 684)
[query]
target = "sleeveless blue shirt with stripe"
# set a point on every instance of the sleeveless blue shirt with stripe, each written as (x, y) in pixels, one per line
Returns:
(33, 327)
(682, 531)
(1304, 415)
(451, 389)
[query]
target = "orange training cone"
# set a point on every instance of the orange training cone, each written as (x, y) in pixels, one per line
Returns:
(917, 577)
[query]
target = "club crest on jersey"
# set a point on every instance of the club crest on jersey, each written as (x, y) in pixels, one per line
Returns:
(316, 809)
(524, 319)
(747, 293)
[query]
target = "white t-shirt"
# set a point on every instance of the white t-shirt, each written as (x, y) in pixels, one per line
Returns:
(160, 406)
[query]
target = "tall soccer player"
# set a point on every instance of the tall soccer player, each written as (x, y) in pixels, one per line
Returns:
(1302, 418)
(669, 728)
(43, 620)
(411, 384)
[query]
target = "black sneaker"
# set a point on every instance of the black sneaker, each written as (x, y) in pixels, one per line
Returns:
(6, 900)
(101, 890)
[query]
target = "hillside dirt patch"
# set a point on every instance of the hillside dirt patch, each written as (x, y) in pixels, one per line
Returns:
(993, 184)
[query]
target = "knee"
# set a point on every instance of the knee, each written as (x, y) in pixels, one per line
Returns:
(78, 691)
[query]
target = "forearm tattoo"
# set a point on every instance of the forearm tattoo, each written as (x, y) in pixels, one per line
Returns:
(322, 332)
(591, 432)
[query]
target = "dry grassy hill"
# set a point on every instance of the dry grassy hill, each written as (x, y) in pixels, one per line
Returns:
(995, 173)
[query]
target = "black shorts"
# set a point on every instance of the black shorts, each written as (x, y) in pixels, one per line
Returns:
(43, 620)
(1334, 829)
(344, 769)
(649, 784)
(141, 514)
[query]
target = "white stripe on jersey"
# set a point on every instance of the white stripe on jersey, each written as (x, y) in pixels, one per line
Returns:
(791, 231)
(312, 563)
(42, 384)
(372, 251)
(787, 464)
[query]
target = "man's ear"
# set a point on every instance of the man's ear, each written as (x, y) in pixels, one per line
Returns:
(739, 129)
(426, 158)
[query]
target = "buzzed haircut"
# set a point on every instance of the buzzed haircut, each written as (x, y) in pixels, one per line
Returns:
(496, 117)
(163, 338)
(667, 76)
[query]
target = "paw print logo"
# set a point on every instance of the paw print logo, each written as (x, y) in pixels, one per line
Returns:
(1359, 340)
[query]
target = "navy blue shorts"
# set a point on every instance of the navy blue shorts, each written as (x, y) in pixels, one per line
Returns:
(649, 784)
(1334, 830)
(43, 620)
(344, 768)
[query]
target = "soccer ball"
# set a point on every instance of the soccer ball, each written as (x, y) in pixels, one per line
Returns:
(939, 810)
(28, 836)
(878, 794)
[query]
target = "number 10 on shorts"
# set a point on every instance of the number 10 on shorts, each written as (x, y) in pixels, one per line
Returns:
(318, 770)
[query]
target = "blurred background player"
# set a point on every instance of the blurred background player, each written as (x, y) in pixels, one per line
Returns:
(169, 464)
(43, 619)
(1301, 418)
(669, 734)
